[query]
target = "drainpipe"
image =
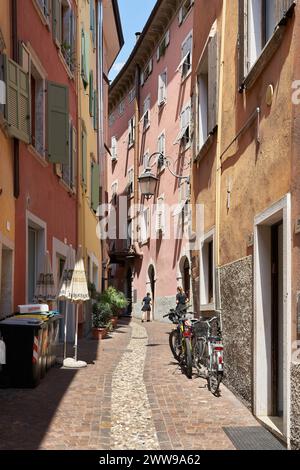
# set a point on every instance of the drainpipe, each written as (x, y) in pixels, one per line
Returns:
(219, 166)
(15, 53)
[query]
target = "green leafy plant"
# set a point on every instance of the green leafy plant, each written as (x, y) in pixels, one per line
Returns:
(102, 314)
(116, 299)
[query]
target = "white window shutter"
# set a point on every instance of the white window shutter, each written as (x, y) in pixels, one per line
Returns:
(150, 66)
(142, 79)
(167, 38)
(180, 16)
(157, 54)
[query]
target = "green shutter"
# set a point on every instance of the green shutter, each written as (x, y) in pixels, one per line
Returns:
(84, 157)
(56, 21)
(91, 93)
(95, 110)
(74, 157)
(17, 109)
(95, 180)
(58, 123)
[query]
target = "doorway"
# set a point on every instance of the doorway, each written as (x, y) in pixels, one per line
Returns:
(186, 277)
(151, 276)
(272, 320)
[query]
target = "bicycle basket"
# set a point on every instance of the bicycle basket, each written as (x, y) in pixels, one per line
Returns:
(200, 328)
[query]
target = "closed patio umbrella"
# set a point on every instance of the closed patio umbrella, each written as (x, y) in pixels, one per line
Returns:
(64, 291)
(78, 293)
(45, 290)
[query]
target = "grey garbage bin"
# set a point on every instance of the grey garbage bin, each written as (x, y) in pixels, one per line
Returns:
(23, 339)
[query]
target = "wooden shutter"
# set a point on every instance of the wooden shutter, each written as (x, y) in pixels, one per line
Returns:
(58, 122)
(83, 157)
(17, 109)
(74, 157)
(95, 110)
(95, 180)
(84, 58)
(91, 93)
(56, 21)
(180, 16)
(243, 41)
(212, 82)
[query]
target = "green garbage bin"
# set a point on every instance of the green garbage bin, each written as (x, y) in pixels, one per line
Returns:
(23, 338)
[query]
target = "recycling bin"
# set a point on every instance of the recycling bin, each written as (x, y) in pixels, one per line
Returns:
(23, 338)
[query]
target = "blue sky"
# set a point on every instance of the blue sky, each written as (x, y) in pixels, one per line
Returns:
(134, 15)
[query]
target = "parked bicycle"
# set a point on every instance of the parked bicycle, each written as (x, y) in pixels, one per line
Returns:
(180, 339)
(208, 352)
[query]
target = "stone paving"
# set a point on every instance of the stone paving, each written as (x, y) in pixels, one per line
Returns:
(132, 395)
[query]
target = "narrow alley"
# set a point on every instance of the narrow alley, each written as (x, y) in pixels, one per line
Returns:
(132, 396)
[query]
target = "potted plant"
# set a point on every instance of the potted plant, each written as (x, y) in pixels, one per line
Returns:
(116, 300)
(102, 314)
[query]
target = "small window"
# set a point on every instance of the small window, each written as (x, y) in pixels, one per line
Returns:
(184, 10)
(184, 136)
(111, 119)
(163, 46)
(207, 271)
(122, 107)
(130, 181)
(146, 160)
(37, 85)
(69, 169)
(114, 192)
(68, 34)
(146, 113)
(113, 149)
(147, 72)
(44, 7)
(131, 131)
(161, 147)
(145, 225)
(162, 88)
(185, 65)
(131, 95)
(160, 214)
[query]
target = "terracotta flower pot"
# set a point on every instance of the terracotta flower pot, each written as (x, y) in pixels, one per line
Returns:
(99, 333)
(114, 321)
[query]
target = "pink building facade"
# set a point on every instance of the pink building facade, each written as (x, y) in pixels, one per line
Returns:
(150, 109)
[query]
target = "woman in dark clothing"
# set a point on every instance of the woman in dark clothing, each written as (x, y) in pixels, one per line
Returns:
(146, 308)
(181, 299)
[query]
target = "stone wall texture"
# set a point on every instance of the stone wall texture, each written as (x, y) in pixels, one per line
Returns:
(237, 314)
(295, 406)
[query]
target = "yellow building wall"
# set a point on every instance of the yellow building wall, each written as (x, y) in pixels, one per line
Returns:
(7, 202)
(87, 218)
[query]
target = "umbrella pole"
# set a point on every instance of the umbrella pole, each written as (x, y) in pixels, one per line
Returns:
(76, 331)
(65, 332)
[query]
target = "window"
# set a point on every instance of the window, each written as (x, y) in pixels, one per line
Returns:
(131, 131)
(69, 169)
(146, 159)
(146, 113)
(257, 24)
(122, 107)
(147, 72)
(160, 214)
(131, 95)
(184, 135)
(84, 157)
(144, 225)
(207, 270)
(91, 93)
(114, 149)
(111, 119)
(185, 65)
(184, 198)
(184, 10)
(114, 192)
(84, 58)
(161, 147)
(162, 88)
(43, 5)
(37, 88)
(163, 46)
(95, 186)
(202, 106)
(130, 181)
(35, 250)
(93, 21)
(64, 31)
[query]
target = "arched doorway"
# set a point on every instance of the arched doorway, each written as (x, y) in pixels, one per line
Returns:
(129, 291)
(151, 284)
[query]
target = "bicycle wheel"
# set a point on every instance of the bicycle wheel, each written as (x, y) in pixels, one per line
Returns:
(175, 344)
(199, 345)
(214, 381)
(188, 358)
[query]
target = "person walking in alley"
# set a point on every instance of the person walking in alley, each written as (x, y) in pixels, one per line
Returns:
(146, 308)
(181, 299)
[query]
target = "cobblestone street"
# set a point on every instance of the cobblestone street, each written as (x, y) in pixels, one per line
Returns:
(132, 395)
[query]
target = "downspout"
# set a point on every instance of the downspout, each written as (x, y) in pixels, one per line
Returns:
(219, 166)
(16, 145)
(100, 133)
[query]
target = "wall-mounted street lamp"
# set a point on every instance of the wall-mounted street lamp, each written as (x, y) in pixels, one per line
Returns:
(148, 181)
